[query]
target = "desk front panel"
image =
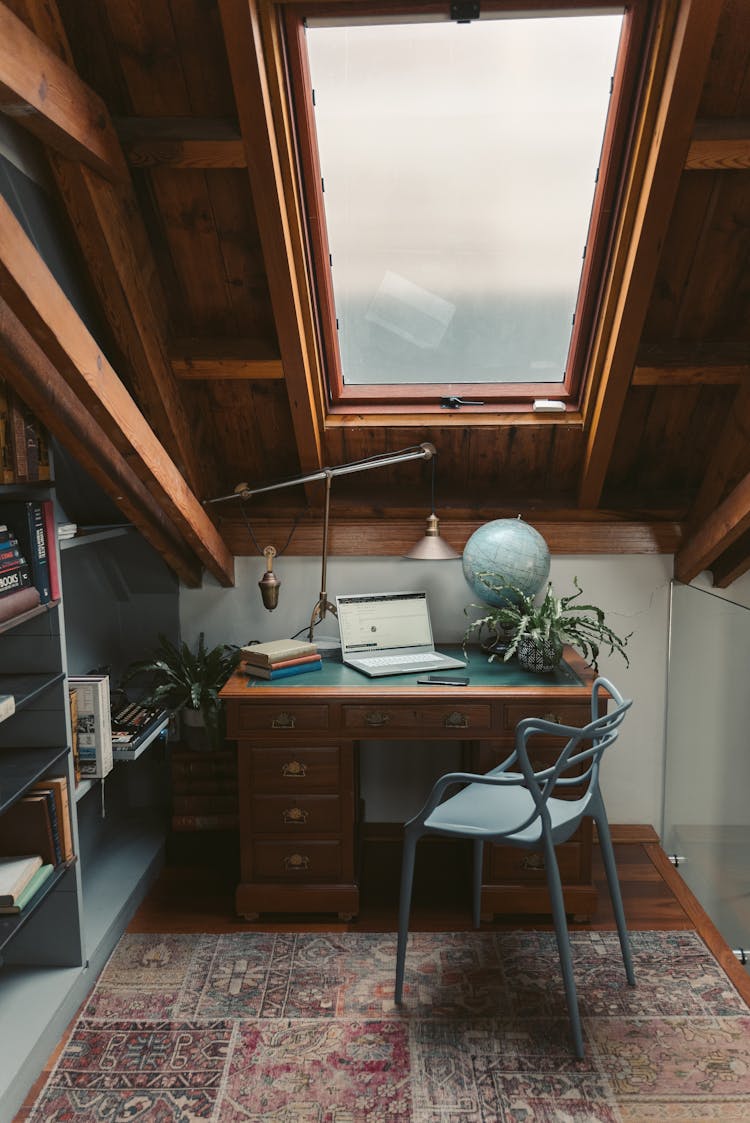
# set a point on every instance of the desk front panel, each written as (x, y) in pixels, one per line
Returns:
(297, 753)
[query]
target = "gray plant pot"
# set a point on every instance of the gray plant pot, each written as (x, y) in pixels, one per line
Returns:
(194, 733)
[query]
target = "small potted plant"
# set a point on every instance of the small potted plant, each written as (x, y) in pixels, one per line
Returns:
(536, 632)
(189, 682)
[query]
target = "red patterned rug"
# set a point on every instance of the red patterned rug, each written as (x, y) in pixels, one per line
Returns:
(286, 1028)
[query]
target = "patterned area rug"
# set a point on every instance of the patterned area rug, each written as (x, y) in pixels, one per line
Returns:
(286, 1028)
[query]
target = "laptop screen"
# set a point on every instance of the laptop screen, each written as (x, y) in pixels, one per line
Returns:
(383, 621)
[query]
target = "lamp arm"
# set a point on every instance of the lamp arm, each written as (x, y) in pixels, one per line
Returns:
(424, 451)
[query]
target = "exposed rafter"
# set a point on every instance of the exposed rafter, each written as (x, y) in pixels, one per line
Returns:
(666, 127)
(179, 143)
(719, 145)
(45, 96)
(247, 63)
(37, 300)
(718, 533)
(115, 246)
(245, 360)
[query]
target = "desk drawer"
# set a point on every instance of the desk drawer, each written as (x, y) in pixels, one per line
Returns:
(474, 718)
(563, 713)
(295, 815)
(298, 861)
(252, 717)
(508, 865)
(293, 770)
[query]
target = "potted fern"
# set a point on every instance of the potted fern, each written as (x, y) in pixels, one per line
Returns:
(536, 632)
(189, 682)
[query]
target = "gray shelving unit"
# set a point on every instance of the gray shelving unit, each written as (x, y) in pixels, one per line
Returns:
(51, 955)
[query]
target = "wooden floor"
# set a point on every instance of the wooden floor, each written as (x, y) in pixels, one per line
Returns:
(195, 894)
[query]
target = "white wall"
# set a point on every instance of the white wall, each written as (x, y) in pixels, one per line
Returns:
(632, 589)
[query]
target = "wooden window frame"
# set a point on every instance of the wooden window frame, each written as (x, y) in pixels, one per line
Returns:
(638, 25)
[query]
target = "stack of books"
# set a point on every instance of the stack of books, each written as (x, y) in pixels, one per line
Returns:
(28, 565)
(280, 658)
(204, 790)
(20, 878)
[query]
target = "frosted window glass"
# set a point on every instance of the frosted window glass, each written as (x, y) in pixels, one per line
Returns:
(459, 164)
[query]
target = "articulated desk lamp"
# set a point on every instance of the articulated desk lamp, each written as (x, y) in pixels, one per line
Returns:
(430, 548)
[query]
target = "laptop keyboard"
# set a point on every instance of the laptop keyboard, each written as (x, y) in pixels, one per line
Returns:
(394, 660)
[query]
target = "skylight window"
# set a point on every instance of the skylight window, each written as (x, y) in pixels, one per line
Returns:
(455, 170)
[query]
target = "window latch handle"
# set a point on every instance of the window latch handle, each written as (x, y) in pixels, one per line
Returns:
(456, 403)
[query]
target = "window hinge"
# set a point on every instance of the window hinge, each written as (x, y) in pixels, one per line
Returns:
(456, 403)
(322, 184)
(464, 11)
(313, 98)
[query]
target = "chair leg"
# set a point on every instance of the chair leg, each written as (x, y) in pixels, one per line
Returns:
(476, 899)
(613, 882)
(563, 944)
(404, 908)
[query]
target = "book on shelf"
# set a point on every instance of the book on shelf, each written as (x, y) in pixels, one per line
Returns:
(50, 534)
(205, 804)
(276, 651)
(26, 828)
(58, 786)
(220, 821)
(267, 673)
(25, 519)
(94, 725)
(30, 890)
(17, 602)
(7, 706)
(191, 766)
(16, 431)
(6, 454)
(73, 705)
(15, 874)
(204, 785)
(18, 577)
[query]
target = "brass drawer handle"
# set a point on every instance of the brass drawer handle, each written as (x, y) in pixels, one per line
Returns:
(552, 717)
(283, 721)
(376, 717)
(532, 861)
(294, 862)
(294, 768)
(456, 721)
(294, 815)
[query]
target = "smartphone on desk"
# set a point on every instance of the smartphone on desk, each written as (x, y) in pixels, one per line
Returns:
(443, 680)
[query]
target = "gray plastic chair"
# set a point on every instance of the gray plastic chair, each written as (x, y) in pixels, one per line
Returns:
(522, 808)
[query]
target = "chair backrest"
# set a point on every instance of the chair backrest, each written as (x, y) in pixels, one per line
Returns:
(577, 763)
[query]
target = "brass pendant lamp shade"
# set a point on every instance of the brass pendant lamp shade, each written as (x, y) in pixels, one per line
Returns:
(432, 547)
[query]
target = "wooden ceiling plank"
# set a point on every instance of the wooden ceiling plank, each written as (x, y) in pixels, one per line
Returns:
(44, 310)
(733, 563)
(719, 145)
(181, 142)
(46, 97)
(242, 34)
(25, 366)
(729, 374)
(207, 369)
(730, 458)
(642, 232)
(720, 530)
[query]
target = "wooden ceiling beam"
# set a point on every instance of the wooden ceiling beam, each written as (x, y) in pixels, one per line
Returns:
(675, 84)
(116, 249)
(181, 142)
(25, 367)
(48, 99)
(40, 304)
(733, 563)
(278, 228)
(729, 461)
(719, 145)
(718, 533)
(214, 359)
(730, 374)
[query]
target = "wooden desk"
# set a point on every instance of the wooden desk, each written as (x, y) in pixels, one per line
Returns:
(298, 778)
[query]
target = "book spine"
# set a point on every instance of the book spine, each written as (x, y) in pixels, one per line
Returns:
(6, 453)
(285, 672)
(204, 786)
(18, 602)
(251, 668)
(222, 821)
(204, 804)
(54, 826)
(17, 431)
(50, 535)
(14, 579)
(263, 659)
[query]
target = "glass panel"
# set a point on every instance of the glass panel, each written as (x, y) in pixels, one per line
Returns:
(707, 781)
(459, 166)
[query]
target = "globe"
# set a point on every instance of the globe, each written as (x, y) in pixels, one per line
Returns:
(509, 549)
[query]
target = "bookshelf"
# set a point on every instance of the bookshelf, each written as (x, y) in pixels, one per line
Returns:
(52, 952)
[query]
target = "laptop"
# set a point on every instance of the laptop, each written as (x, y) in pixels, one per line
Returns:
(389, 634)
